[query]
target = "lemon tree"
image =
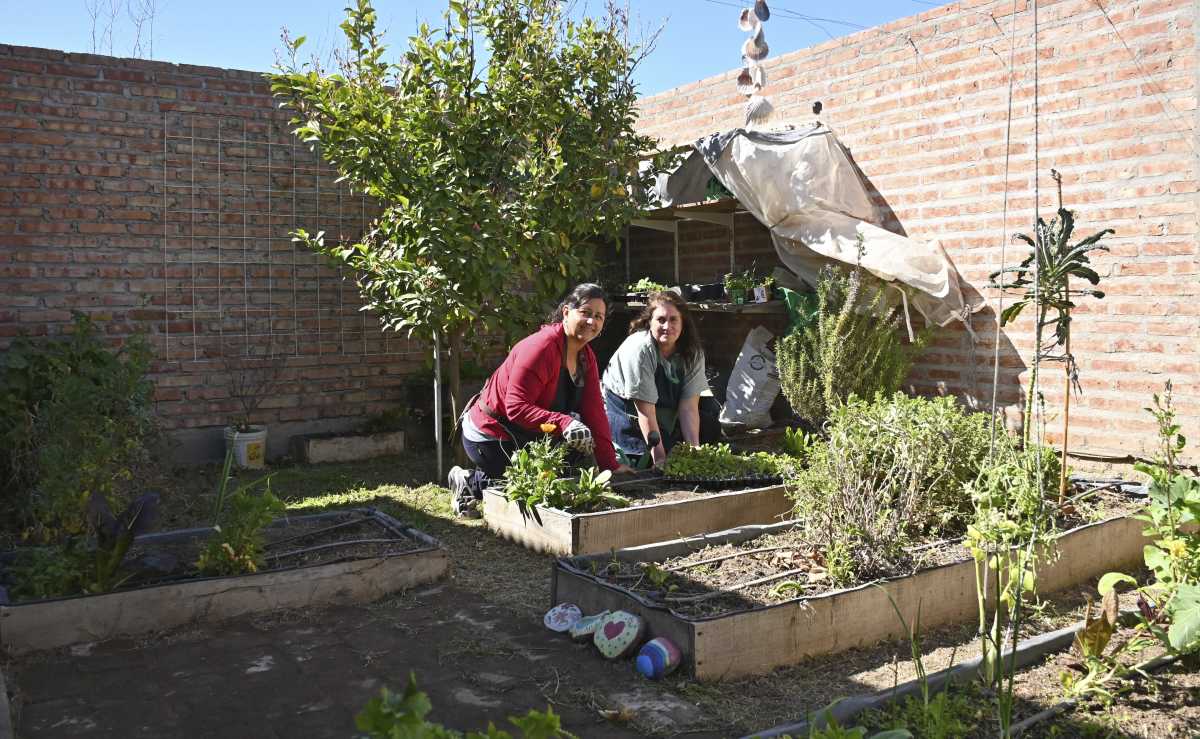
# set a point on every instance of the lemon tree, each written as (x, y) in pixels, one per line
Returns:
(498, 147)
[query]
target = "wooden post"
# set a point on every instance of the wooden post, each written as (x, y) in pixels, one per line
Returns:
(1062, 477)
(1062, 473)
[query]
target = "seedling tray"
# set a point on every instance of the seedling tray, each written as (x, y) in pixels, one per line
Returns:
(724, 483)
(398, 557)
(566, 534)
(756, 640)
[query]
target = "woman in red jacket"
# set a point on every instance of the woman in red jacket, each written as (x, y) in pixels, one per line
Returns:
(549, 377)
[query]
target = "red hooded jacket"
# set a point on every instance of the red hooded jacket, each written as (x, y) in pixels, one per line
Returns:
(525, 384)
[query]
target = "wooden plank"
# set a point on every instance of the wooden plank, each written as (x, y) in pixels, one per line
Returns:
(553, 535)
(50, 624)
(626, 527)
(567, 534)
(756, 642)
(1090, 551)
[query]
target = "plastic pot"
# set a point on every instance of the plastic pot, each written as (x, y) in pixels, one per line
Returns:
(249, 447)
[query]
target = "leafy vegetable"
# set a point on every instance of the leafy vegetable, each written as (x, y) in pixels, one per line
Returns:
(534, 478)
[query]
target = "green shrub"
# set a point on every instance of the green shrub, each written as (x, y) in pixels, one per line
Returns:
(52, 571)
(236, 546)
(1008, 495)
(75, 416)
(852, 347)
(893, 469)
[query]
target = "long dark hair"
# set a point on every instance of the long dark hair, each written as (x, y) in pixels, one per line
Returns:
(579, 295)
(688, 345)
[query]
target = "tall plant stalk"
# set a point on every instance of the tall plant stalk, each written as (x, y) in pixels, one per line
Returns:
(1043, 280)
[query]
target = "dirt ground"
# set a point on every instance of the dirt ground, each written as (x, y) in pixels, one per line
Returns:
(306, 674)
(474, 641)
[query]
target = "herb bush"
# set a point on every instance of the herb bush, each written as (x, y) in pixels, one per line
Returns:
(893, 469)
(852, 347)
(75, 417)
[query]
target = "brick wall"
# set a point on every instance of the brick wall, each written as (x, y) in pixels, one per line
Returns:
(1116, 115)
(158, 198)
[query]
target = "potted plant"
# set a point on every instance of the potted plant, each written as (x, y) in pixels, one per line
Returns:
(251, 379)
(643, 288)
(738, 285)
(762, 291)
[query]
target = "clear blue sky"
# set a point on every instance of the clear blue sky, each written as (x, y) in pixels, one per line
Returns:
(700, 37)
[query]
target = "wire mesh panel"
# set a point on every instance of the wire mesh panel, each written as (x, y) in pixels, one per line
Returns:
(234, 283)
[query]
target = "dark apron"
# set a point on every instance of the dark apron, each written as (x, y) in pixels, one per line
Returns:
(622, 419)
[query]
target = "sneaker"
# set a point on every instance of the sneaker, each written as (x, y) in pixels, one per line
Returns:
(462, 501)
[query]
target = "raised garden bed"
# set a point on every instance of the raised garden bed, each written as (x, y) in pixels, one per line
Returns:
(356, 555)
(782, 614)
(319, 448)
(659, 511)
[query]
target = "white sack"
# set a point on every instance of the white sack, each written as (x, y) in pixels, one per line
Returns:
(754, 383)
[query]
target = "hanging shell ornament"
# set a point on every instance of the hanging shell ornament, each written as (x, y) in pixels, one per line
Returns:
(751, 79)
(747, 21)
(758, 109)
(745, 82)
(759, 75)
(761, 11)
(756, 47)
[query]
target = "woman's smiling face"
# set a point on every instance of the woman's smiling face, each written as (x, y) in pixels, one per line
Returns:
(585, 322)
(666, 326)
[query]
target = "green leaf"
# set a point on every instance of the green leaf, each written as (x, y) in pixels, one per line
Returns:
(1157, 560)
(1184, 634)
(1110, 581)
(1011, 312)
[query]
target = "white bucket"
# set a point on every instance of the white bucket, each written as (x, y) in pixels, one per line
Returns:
(249, 447)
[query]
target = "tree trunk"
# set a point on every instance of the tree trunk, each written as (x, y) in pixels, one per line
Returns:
(456, 398)
(455, 367)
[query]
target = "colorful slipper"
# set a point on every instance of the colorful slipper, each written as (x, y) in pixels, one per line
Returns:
(585, 628)
(562, 617)
(619, 634)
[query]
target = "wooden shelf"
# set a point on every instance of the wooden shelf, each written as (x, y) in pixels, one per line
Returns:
(768, 308)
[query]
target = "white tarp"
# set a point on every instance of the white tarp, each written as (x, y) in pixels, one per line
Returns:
(803, 187)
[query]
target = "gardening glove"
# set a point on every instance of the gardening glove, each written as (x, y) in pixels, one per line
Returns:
(579, 437)
(658, 454)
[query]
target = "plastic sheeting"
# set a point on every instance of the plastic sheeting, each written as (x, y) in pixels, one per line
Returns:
(804, 188)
